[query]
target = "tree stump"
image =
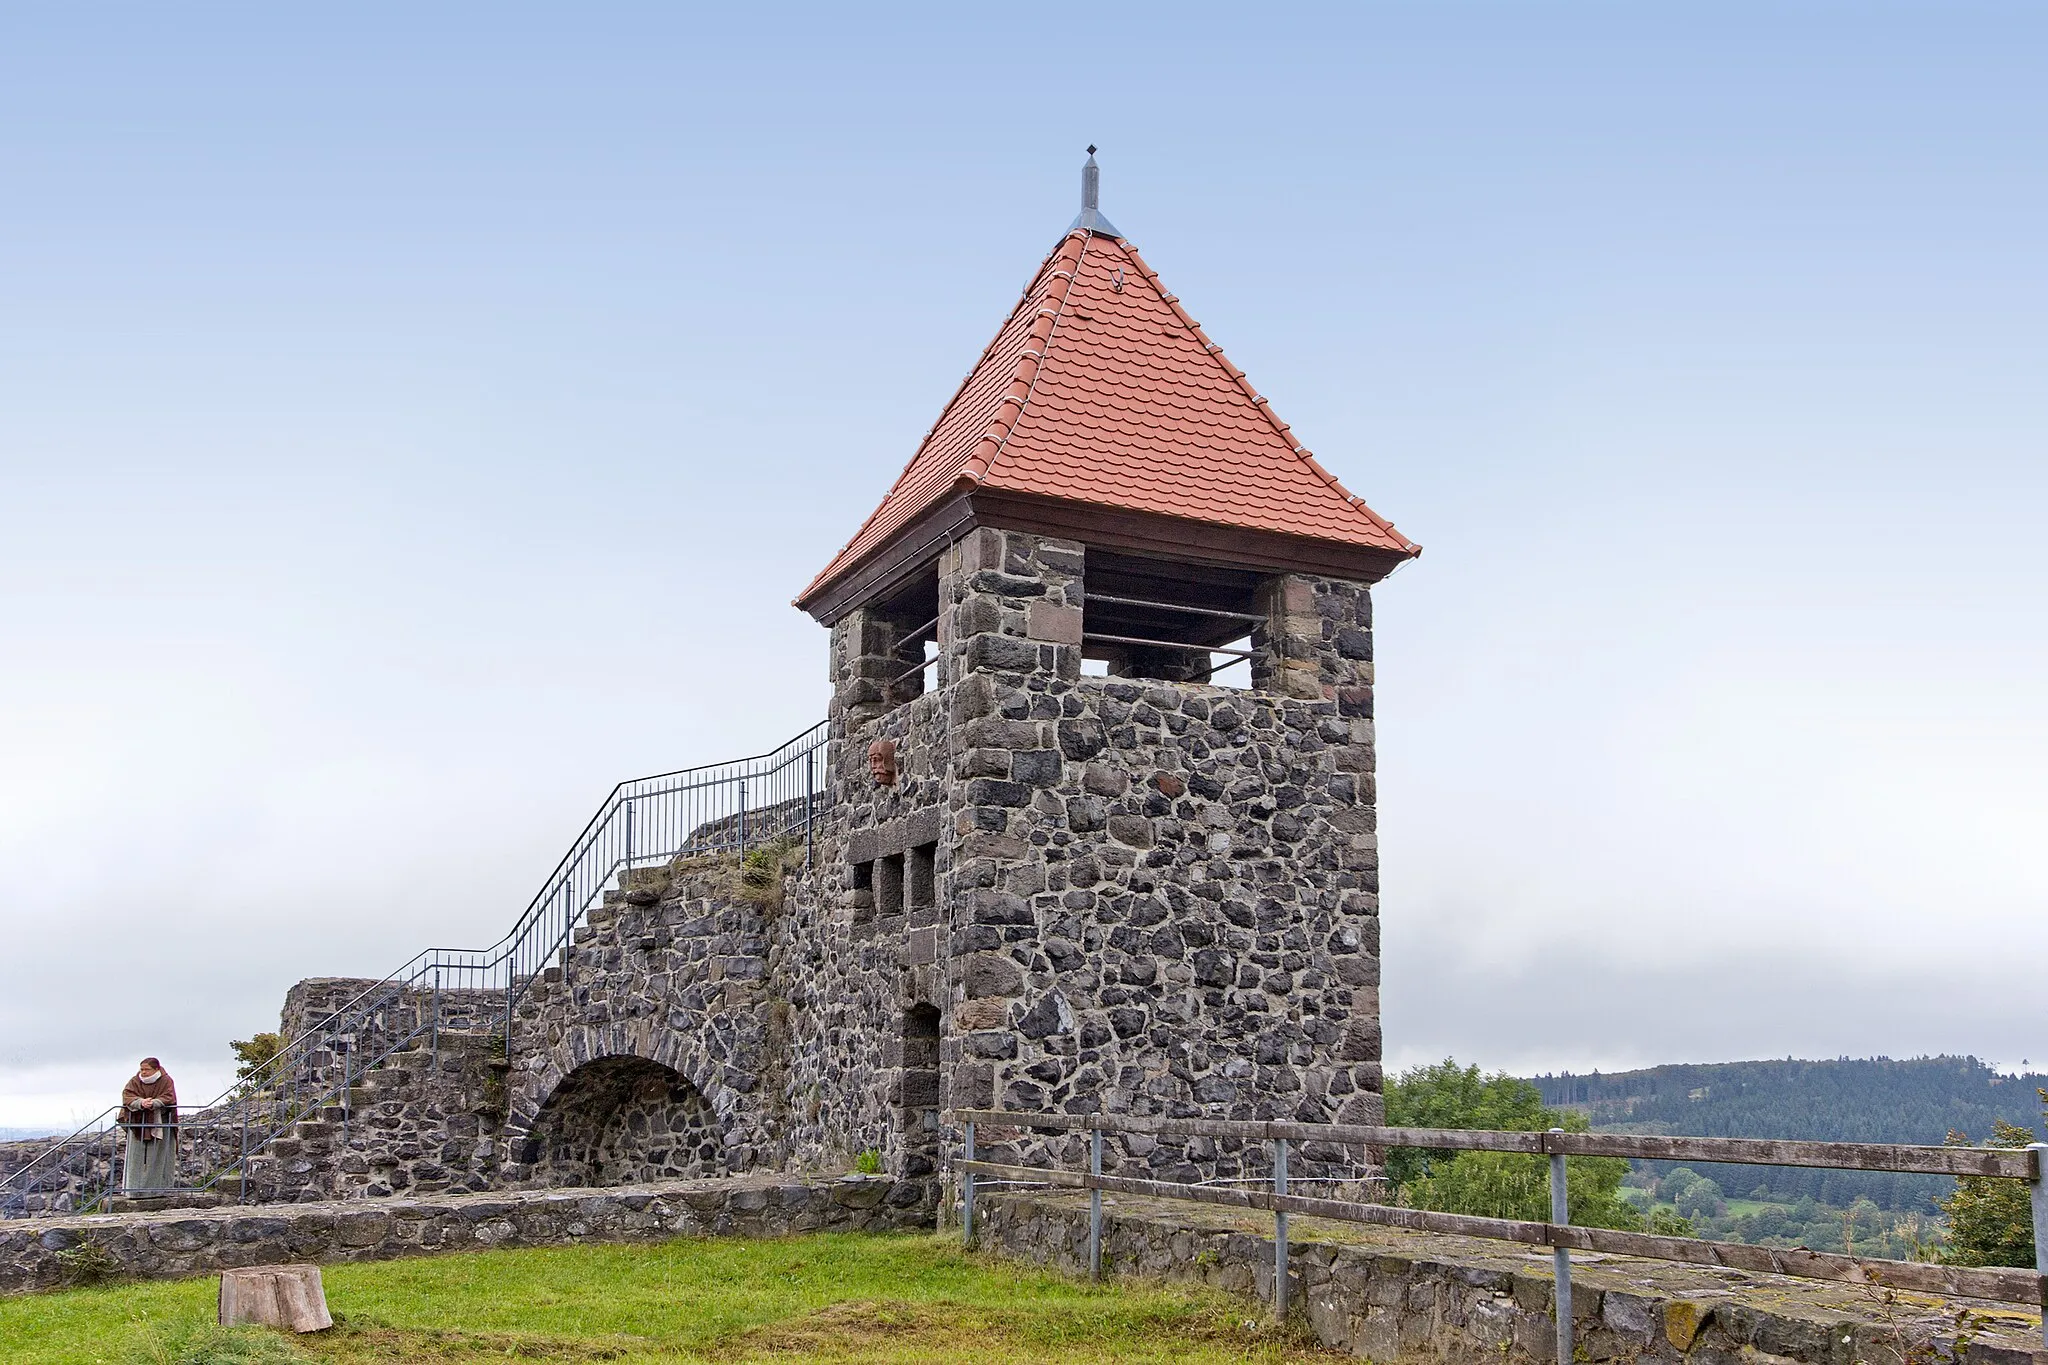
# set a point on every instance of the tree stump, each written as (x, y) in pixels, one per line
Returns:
(285, 1296)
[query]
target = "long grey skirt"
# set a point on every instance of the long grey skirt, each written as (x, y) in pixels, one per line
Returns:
(149, 1165)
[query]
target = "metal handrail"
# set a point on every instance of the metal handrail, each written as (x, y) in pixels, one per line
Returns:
(647, 820)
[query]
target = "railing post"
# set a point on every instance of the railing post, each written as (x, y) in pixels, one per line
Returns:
(810, 788)
(1095, 1207)
(242, 1167)
(434, 1051)
(743, 817)
(967, 1193)
(629, 834)
(1560, 1256)
(2039, 1187)
(1280, 1232)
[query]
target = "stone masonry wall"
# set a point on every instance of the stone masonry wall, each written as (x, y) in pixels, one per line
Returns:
(1390, 1295)
(672, 971)
(1164, 896)
(192, 1242)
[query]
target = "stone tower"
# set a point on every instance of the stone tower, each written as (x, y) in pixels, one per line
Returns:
(1102, 674)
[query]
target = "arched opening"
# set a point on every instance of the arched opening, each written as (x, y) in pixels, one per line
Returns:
(621, 1121)
(918, 1108)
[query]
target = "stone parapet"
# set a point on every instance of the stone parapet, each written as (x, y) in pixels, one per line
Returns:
(186, 1242)
(1391, 1295)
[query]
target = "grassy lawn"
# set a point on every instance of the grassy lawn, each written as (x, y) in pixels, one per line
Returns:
(838, 1296)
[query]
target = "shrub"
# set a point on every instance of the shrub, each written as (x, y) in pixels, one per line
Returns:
(87, 1263)
(1990, 1220)
(1665, 1223)
(762, 869)
(868, 1162)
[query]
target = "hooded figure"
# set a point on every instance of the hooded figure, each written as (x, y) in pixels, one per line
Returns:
(149, 1115)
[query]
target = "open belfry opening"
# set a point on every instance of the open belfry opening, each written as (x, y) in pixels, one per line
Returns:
(1103, 804)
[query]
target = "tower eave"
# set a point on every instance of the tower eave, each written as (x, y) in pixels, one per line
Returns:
(1095, 524)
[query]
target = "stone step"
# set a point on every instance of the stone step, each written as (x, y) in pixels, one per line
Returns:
(175, 1199)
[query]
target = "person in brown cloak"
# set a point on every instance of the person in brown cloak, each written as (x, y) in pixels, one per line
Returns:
(149, 1116)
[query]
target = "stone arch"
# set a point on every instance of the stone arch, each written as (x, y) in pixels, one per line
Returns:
(626, 1061)
(622, 1120)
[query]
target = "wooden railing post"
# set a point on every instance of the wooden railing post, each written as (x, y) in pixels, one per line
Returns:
(1561, 1257)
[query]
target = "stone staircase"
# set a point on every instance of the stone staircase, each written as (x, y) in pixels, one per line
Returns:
(417, 1122)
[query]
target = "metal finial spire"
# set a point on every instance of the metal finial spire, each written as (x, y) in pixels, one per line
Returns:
(1091, 201)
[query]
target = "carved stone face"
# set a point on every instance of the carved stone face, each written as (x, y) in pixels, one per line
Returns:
(882, 762)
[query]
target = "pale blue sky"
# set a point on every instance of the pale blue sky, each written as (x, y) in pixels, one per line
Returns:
(412, 423)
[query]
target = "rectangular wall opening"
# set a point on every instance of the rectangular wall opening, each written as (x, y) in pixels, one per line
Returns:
(1163, 619)
(863, 888)
(921, 885)
(889, 886)
(912, 614)
(918, 1093)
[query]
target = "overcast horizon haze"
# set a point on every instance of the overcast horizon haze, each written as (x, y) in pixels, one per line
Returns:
(414, 422)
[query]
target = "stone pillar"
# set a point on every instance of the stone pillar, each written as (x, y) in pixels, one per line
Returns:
(1316, 641)
(1316, 644)
(863, 661)
(1011, 604)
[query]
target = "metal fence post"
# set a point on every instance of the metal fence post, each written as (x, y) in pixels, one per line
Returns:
(1561, 1257)
(629, 835)
(743, 817)
(967, 1193)
(810, 795)
(242, 1166)
(1280, 1232)
(435, 1050)
(2039, 1187)
(1095, 1207)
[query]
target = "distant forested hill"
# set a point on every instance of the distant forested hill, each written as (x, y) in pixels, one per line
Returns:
(1878, 1099)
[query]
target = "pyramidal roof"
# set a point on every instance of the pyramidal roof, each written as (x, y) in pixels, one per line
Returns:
(1102, 393)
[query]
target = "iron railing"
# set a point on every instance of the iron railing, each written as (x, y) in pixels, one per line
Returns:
(2003, 1285)
(718, 809)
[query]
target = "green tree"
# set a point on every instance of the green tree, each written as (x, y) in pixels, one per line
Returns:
(1673, 1186)
(1991, 1219)
(254, 1053)
(1665, 1223)
(1701, 1199)
(1447, 1095)
(1494, 1184)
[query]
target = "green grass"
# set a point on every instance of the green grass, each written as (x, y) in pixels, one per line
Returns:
(830, 1296)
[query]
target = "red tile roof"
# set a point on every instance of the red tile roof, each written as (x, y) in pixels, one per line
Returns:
(1100, 389)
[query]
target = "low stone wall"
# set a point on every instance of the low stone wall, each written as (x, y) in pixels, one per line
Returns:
(169, 1244)
(1396, 1296)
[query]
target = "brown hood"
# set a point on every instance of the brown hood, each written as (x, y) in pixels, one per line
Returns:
(150, 1123)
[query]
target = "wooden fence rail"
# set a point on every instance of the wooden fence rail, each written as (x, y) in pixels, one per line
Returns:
(2014, 1163)
(2002, 1285)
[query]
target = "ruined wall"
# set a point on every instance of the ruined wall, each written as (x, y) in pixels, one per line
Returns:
(1081, 894)
(671, 970)
(193, 1242)
(848, 978)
